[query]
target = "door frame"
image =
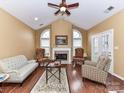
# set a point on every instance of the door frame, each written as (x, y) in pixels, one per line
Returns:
(112, 49)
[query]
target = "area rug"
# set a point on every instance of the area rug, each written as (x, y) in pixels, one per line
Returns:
(53, 85)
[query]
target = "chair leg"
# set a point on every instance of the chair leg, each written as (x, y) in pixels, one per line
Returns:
(105, 85)
(1, 86)
(73, 64)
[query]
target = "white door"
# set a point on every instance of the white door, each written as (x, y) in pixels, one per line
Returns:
(102, 42)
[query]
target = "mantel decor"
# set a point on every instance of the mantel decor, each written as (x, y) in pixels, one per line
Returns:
(61, 40)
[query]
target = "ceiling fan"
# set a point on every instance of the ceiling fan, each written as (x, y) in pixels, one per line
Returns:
(63, 8)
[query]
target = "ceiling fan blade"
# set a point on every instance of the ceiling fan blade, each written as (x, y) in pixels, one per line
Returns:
(67, 12)
(57, 12)
(53, 5)
(73, 5)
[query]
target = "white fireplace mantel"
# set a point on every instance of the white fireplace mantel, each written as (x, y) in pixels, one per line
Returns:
(62, 49)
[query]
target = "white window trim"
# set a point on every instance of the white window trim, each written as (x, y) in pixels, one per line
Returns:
(78, 38)
(45, 39)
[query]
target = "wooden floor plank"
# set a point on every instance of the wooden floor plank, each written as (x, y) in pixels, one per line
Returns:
(76, 83)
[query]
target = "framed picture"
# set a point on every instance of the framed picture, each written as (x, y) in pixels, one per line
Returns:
(61, 40)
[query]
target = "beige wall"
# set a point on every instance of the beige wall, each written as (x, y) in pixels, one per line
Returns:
(38, 34)
(15, 37)
(84, 37)
(117, 23)
(61, 27)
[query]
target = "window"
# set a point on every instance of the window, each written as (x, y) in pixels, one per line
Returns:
(77, 40)
(45, 41)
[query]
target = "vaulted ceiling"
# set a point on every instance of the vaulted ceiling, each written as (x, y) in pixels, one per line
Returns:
(88, 14)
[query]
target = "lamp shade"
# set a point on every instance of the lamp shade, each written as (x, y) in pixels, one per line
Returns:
(85, 54)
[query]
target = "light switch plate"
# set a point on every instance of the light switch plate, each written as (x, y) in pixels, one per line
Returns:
(116, 47)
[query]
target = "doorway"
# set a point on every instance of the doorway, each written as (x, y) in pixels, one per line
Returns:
(103, 42)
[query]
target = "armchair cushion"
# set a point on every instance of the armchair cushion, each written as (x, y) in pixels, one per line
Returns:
(42, 59)
(78, 60)
(81, 59)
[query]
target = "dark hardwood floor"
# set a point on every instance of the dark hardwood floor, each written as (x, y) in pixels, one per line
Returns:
(76, 83)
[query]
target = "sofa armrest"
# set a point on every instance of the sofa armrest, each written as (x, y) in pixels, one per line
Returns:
(31, 61)
(87, 62)
(11, 71)
(13, 74)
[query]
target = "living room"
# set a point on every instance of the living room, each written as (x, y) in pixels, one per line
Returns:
(24, 31)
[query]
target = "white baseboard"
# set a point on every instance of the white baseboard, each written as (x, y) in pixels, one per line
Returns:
(116, 75)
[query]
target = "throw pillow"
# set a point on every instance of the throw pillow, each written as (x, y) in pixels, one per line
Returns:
(102, 63)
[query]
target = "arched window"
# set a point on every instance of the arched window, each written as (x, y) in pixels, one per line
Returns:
(77, 40)
(45, 41)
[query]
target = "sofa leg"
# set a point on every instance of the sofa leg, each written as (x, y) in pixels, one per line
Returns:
(21, 84)
(105, 85)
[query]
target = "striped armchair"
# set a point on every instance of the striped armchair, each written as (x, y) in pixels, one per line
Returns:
(97, 71)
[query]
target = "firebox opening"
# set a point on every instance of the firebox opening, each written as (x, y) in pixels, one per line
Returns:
(61, 56)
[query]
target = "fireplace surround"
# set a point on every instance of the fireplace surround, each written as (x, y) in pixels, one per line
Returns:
(62, 53)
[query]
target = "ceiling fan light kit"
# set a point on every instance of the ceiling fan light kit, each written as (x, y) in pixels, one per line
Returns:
(63, 8)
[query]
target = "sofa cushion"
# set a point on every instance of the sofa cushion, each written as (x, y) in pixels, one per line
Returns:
(22, 73)
(26, 70)
(13, 63)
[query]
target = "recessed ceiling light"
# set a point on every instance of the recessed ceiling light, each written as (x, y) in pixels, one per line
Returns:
(35, 18)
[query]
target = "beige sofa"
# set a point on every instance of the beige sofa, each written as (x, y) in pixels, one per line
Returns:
(18, 67)
(97, 71)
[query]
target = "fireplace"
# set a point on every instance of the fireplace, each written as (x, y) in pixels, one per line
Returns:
(64, 54)
(61, 56)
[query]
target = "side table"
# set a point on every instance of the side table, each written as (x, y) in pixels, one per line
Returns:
(2, 80)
